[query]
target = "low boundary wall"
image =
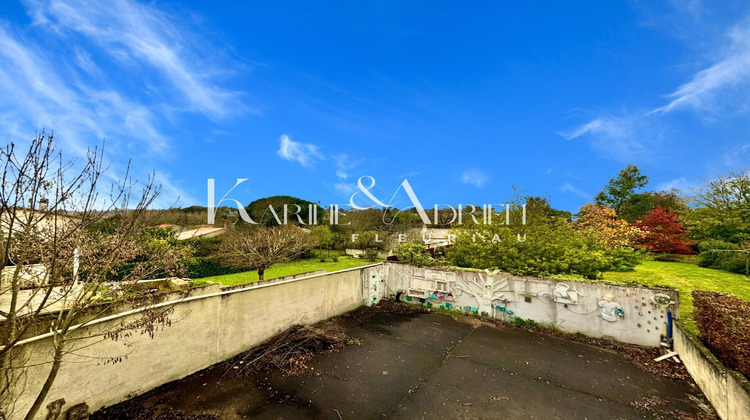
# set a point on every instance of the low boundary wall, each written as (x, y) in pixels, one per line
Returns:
(205, 330)
(727, 390)
(209, 328)
(568, 305)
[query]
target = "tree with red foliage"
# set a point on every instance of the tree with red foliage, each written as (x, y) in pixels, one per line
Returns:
(664, 232)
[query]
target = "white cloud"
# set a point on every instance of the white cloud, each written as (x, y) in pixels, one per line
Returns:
(58, 74)
(172, 194)
(680, 183)
(474, 177)
(36, 96)
(610, 126)
(133, 32)
(717, 91)
(344, 164)
(713, 88)
(306, 154)
(620, 137)
(344, 188)
(568, 188)
(738, 156)
(84, 61)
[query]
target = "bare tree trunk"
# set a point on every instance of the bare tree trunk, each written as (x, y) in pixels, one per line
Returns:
(56, 362)
(261, 272)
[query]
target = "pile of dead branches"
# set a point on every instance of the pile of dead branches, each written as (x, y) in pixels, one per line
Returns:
(291, 350)
(363, 313)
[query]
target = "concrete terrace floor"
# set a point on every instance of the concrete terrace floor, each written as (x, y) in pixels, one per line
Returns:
(434, 366)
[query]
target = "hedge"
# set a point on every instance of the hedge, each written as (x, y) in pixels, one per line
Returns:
(199, 267)
(724, 326)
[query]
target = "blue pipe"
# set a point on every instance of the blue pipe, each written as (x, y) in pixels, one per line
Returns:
(669, 324)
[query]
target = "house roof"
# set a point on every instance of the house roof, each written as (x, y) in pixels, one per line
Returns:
(199, 232)
(165, 225)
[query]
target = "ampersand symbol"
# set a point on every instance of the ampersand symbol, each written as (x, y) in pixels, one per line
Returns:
(366, 191)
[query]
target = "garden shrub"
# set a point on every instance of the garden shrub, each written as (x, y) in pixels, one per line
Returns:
(667, 257)
(622, 259)
(733, 262)
(549, 250)
(724, 325)
(371, 254)
(415, 254)
(199, 267)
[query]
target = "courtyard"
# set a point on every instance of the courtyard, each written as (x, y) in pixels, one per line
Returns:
(431, 365)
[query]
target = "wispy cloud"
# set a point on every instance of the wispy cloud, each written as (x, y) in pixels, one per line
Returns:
(73, 71)
(738, 156)
(345, 188)
(172, 193)
(682, 184)
(568, 188)
(622, 137)
(36, 96)
(130, 31)
(719, 90)
(474, 177)
(344, 164)
(714, 87)
(306, 154)
(609, 126)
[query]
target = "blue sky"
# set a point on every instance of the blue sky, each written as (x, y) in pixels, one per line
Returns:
(465, 100)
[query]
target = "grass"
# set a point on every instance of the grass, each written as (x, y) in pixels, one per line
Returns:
(284, 269)
(684, 278)
(325, 253)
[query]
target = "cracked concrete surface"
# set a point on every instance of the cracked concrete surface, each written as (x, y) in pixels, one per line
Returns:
(433, 366)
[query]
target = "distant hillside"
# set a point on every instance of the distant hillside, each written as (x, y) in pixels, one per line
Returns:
(259, 209)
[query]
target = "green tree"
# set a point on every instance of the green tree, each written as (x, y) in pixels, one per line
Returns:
(721, 221)
(621, 191)
(547, 244)
(641, 204)
(722, 209)
(324, 236)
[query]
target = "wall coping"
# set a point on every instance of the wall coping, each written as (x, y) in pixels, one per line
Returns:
(188, 299)
(712, 359)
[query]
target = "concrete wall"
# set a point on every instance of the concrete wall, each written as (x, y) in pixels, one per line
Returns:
(504, 296)
(727, 390)
(205, 330)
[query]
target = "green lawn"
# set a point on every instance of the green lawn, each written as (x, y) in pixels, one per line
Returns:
(284, 269)
(684, 278)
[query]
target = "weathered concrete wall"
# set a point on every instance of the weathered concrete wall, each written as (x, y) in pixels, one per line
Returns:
(501, 295)
(728, 391)
(205, 330)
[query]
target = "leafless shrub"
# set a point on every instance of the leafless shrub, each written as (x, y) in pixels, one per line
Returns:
(262, 247)
(57, 255)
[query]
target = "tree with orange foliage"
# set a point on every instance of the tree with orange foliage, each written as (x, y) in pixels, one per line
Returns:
(601, 225)
(664, 232)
